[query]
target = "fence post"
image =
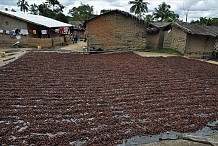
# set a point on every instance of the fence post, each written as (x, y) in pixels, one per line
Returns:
(52, 43)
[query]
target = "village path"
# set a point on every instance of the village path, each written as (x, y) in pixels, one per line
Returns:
(184, 142)
(74, 46)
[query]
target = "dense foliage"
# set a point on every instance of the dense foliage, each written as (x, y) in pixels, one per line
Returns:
(82, 13)
(54, 9)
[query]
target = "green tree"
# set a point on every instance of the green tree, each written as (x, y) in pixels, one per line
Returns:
(45, 11)
(82, 13)
(105, 11)
(163, 13)
(138, 7)
(56, 12)
(215, 21)
(149, 18)
(172, 17)
(23, 4)
(53, 3)
(34, 9)
(204, 21)
(61, 17)
(59, 8)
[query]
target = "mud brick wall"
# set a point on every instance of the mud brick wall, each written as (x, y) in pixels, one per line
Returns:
(153, 40)
(8, 41)
(199, 46)
(167, 39)
(115, 31)
(11, 23)
(194, 46)
(46, 42)
(178, 40)
(81, 34)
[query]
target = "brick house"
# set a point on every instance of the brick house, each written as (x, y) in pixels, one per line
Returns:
(116, 30)
(192, 40)
(40, 26)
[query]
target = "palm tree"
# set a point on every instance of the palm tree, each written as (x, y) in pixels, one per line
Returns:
(149, 18)
(139, 7)
(23, 4)
(162, 12)
(59, 9)
(34, 9)
(172, 17)
(205, 21)
(53, 3)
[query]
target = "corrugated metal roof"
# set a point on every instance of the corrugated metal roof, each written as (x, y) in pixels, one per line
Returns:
(36, 19)
(197, 29)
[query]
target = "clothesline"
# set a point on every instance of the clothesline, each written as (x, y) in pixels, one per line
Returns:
(33, 31)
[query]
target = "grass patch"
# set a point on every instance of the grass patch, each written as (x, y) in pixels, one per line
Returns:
(169, 51)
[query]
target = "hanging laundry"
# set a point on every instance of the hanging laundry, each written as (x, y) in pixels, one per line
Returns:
(24, 32)
(44, 31)
(7, 31)
(57, 30)
(65, 30)
(1, 31)
(17, 31)
(30, 31)
(12, 33)
(34, 32)
(61, 31)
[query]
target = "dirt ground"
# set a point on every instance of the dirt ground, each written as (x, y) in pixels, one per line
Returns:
(74, 47)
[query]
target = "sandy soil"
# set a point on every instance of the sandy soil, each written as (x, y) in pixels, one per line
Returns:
(153, 54)
(74, 47)
(181, 142)
(11, 54)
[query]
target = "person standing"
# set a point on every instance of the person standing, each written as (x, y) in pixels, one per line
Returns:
(75, 37)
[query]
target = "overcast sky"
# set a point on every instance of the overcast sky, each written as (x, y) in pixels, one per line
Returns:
(197, 8)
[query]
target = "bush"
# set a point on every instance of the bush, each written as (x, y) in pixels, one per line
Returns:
(170, 51)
